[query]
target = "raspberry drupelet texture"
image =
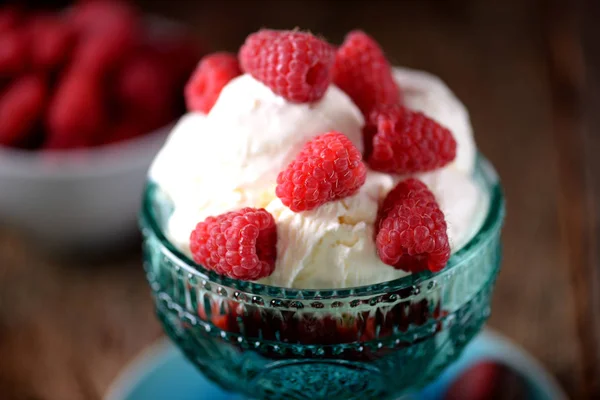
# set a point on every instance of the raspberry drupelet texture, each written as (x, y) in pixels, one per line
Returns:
(402, 141)
(328, 168)
(362, 71)
(411, 231)
(212, 74)
(295, 65)
(238, 244)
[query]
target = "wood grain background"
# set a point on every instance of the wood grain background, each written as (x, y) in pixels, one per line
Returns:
(67, 328)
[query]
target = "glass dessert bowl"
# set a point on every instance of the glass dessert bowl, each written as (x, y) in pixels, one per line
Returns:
(377, 341)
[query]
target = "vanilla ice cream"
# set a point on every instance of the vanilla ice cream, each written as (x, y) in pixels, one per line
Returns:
(230, 159)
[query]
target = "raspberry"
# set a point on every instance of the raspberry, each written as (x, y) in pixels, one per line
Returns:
(295, 65)
(401, 191)
(14, 53)
(76, 115)
(51, 41)
(362, 71)
(144, 90)
(328, 168)
(110, 30)
(102, 53)
(405, 141)
(212, 74)
(21, 107)
(96, 15)
(10, 17)
(239, 244)
(411, 229)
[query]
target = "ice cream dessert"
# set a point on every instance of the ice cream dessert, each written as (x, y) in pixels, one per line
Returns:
(307, 166)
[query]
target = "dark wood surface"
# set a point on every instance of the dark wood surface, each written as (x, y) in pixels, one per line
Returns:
(574, 67)
(66, 329)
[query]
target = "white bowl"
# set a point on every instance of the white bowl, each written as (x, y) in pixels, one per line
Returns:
(77, 199)
(84, 199)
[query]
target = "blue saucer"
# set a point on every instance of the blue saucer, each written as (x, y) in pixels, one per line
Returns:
(162, 372)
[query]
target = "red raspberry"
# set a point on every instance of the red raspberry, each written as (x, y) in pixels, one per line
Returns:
(21, 107)
(239, 244)
(328, 168)
(362, 71)
(96, 15)
(110, 30)
(76, 115)
(10, 17)
(399, 192)
(145, 91)
(411, 229)
(295, 65)
(51, 41)
(100, 54)
(406, 141)
(14, 53)
(212, 74)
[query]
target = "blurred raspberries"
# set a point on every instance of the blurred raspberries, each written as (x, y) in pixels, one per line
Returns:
(93, 75)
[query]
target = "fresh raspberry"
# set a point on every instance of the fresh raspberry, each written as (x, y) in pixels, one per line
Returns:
(411, 229)
(21, 107)
(239, 244)
(328, 168)
(399, 192)
(405, 141)
(10, 17)
(94, 16)
(101, 54)
(295, 65)
(14, 53)
(144, 90)
(77, 114)
(51, 41)
(109, 30)
(212, 74)
(362, 71)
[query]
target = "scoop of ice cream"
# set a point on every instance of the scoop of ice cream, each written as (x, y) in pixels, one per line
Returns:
(427, 93)
(257, 133)
(333, 247)
(230, 158)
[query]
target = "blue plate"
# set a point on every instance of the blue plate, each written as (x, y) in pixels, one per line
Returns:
(162, 372)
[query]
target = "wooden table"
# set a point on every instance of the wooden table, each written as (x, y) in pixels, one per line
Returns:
(66, 329)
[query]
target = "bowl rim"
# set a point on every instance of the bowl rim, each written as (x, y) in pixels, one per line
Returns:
(487, 231)
(84, 162)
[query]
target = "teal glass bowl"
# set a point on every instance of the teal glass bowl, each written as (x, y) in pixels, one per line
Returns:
(377, 341)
